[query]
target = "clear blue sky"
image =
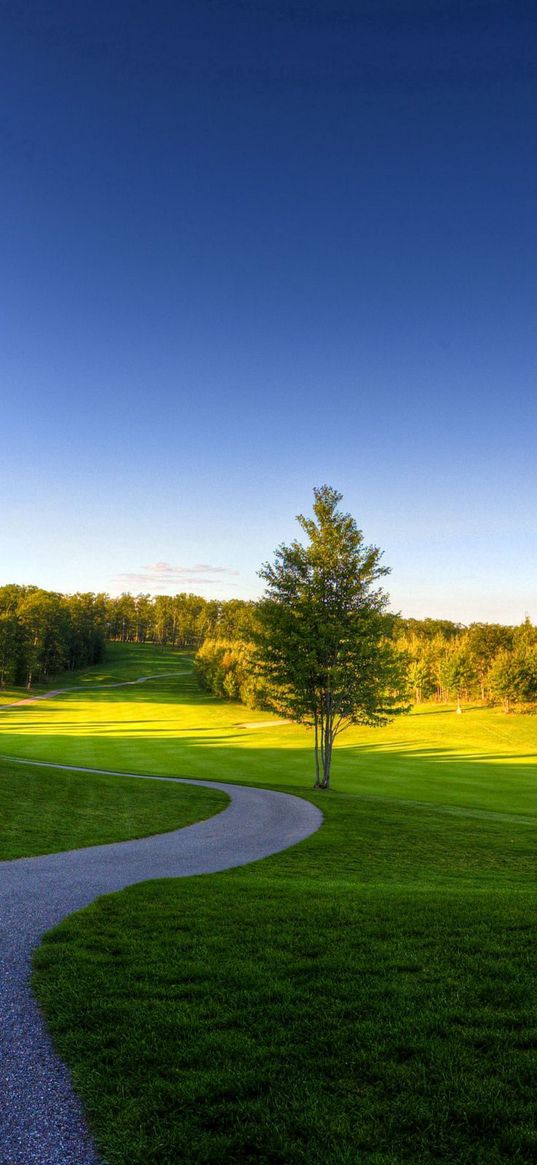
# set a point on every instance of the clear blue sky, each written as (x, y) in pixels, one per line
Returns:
(249, 247)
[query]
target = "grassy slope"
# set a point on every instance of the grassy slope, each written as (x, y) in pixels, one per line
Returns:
(46, 810)
(122, 663)
(366, 997)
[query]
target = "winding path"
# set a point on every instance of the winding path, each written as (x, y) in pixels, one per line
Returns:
(41, 1120)
(51, 695)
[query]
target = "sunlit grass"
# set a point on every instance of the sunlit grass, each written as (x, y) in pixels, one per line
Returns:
(481, 759)
(43, 810)
(365, 998)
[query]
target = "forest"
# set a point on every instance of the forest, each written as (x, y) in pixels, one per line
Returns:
(43, 633)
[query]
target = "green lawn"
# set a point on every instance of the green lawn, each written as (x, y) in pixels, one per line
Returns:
(46, 810)
(122, 663)
(482, 758)
(365, 998)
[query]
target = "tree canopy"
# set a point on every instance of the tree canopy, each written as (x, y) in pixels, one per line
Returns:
(44, 632)
(322, 641)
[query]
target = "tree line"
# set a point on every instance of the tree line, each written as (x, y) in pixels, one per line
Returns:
(489, 662)
(445, 662)
(44, 632)
(183, 620)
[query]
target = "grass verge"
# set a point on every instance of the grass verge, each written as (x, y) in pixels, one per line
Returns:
(43, 810)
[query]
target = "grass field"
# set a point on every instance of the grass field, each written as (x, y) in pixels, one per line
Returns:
(366, 998)
(46, 810)
(43, 810)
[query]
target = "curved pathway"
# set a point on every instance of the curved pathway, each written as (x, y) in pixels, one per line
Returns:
(41, 1120)
(87, 688)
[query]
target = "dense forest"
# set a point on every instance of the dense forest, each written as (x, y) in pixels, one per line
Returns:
(43, 633)
(446, 661)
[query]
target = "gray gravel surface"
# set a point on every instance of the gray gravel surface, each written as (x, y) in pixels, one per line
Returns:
(41, 1120)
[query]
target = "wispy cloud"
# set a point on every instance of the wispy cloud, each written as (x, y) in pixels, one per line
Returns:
(161, 576)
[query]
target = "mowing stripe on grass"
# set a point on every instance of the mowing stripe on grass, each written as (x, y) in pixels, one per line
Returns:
(84, 688)
(436, 807)
(372, 798)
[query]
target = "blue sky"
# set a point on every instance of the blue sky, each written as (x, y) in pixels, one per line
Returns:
(251, 247)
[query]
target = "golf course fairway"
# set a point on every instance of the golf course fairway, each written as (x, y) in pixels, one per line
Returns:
(367, 997)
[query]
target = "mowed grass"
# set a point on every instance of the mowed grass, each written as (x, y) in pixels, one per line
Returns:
(43, 810)
(368, 997)
(167, 726)
(258, 1018)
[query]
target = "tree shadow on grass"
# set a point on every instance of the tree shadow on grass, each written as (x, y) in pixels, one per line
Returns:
(219, 748)
(488, 780)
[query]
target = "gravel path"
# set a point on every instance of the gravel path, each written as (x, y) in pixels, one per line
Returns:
(41, 1121)
(87, 688)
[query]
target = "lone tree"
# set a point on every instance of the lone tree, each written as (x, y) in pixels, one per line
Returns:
(323, 643)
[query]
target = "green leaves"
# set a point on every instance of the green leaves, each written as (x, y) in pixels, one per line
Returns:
(323, 640)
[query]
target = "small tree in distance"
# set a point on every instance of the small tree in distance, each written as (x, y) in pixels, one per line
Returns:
(322, 640)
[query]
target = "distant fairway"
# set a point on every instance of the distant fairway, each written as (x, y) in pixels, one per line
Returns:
(366, 998)
(43, 810)
(483, 758)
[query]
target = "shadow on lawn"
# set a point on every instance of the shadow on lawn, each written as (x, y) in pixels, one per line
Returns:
(427, 776)
(415, 749)
(404, 770)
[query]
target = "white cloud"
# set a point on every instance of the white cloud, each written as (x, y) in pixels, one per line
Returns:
(161, 576)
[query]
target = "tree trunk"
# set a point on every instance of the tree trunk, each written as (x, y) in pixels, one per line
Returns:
(328, 741)
(327, 763)
(317, 770)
